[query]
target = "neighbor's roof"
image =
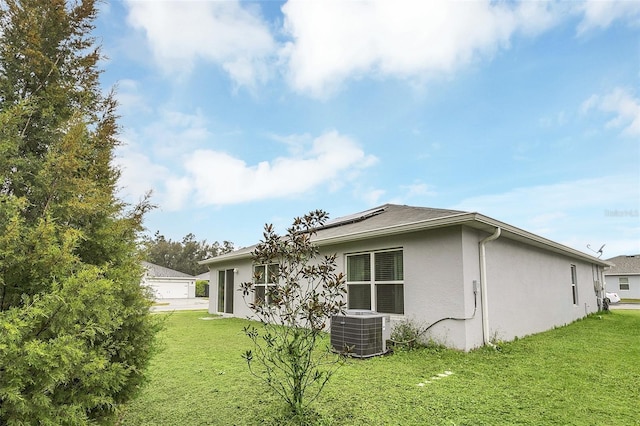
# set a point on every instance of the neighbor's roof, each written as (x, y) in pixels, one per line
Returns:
(624, 265)
(392, 219)
(203, 276)
(161, 272)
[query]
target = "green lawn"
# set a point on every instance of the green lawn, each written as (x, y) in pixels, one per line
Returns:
(587, 373)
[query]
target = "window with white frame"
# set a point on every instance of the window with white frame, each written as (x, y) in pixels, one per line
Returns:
(264, 276)
(574, 284)
(376, 279)
(623, 282)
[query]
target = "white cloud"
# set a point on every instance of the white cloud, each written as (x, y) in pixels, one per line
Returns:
(138, 173)
(181, 172)
(178, 190)
(575, 213)
(334, 41)
(331, 41)
(598, 14)
(223, 32)
(622, 104)
(149, 157)
(371, 196)
(218, 178)
(130, 101)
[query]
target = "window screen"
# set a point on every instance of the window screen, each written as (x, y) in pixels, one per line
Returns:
(359, 267)
(359, 296)
(259, 294)
(390, 298)
(389, 266)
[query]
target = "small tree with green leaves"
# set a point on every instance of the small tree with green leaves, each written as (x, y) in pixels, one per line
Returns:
(302, 292)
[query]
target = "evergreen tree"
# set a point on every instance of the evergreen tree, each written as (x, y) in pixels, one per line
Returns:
(183, 255)
(75, 330)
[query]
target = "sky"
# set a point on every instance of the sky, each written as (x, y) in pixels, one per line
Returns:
(236, 114)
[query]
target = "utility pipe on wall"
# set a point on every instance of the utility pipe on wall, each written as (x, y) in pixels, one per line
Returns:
(483, 286)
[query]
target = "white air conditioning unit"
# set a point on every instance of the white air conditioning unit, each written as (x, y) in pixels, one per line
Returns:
(363, 333)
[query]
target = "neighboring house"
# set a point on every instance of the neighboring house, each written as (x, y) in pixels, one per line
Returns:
(167, 283)
(203, 276)
(624, 277)
(480, 279)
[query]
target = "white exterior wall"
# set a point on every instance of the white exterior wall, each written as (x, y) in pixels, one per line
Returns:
(434, 280)
(529, 289)
(613, 286)
(244, 274)
(435, 285)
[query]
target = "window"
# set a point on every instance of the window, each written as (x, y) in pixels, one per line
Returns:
(376, 279)
(574, 284)
(623, 282)
(264, 276)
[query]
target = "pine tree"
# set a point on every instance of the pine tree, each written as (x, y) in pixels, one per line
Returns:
(75, 329)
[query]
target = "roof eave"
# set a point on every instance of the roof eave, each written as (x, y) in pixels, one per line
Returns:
(474, 220)
(226, 257)
(404, 228)
(539, 241)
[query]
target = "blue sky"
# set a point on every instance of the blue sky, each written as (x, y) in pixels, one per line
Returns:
(237, 114)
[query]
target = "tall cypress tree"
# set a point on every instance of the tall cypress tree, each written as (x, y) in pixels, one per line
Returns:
(75, 329)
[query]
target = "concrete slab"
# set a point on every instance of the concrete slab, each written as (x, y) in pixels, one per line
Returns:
(624, 306)
(167, 305)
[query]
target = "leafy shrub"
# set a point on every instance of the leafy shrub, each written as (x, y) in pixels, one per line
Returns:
(406, 334)
(290, 350)
(201, 288)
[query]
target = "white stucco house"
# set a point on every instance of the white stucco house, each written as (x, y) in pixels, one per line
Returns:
(624, 277)
(480, 279)
(167, 283)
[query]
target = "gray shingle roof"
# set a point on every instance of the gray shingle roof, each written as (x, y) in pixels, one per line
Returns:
(392, 219)
(160, 271)
(624, 265)
(372, 219)
(203, 276)
(367, 220)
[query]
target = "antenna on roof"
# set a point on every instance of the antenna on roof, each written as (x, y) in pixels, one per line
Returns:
(598, 252)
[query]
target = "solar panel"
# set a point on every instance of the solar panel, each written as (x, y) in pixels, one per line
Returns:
(356, 217)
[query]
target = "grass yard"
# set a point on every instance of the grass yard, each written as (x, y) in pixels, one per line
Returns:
(587, 373)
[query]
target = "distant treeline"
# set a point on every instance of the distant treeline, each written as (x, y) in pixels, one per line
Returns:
(183, 255)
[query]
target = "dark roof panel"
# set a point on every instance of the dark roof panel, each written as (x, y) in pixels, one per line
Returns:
(381, 217)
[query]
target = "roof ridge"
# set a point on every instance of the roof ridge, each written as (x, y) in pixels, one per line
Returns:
(159, 268)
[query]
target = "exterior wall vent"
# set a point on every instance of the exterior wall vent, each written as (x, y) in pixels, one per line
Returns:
(365, 333)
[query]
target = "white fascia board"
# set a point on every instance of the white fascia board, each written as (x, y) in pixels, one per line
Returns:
(240, 254)
(536, 240)
(621, 274)
(474, 220)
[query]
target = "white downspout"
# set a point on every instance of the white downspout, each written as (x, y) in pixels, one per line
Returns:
(483, 286)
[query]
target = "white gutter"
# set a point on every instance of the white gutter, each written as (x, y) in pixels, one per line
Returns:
(474, 220)
(483, 285)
